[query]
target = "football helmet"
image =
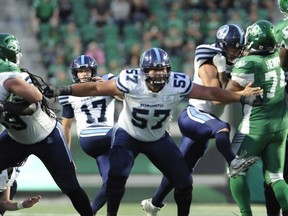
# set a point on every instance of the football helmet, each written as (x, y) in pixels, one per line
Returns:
(260, 37)
(83, 61)
(155, 58)
(283, 6)
(230, 38)
(10, 48)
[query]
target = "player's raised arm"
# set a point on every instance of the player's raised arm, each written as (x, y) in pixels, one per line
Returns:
(107, 88)
(218, 94)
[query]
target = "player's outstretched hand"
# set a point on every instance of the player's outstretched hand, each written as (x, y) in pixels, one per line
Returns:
(253, 100)
(27, 203)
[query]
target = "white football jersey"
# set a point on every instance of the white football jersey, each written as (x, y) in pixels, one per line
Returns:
(28, 129)
(205, 53)
(145, 115)
(6, 181)
(92, 110)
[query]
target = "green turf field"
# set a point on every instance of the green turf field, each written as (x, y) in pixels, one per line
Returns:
(63, 208)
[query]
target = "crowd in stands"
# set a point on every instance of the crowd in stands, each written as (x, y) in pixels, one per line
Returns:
(115, 32)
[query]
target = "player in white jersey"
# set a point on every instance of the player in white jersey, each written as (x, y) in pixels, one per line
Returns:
(151, 93)
(8, 188)
(200, 121)
(41, 134)
(94, 117)
(10, 77)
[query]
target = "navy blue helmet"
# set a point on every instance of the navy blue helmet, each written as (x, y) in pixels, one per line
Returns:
(83, 61)
(229, 37)
(155, 58)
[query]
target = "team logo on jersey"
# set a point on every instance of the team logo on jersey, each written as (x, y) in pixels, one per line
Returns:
(240, 64)
(222, 32)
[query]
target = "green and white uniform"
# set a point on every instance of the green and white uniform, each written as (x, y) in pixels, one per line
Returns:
(281, 35)
(270, 119)
(281, 32)
(263, 130)
(8, 70)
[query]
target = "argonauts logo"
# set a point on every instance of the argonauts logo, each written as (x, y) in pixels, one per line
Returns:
(49, 140)
(222, 32)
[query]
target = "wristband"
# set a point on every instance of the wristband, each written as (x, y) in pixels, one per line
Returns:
(243, 99)
(65, 90)
(20, 205)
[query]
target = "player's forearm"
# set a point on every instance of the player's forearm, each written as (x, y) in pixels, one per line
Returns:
(213, 94)
(10, 206)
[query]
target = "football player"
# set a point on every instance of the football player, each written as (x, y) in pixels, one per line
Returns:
(281, 36)
(200, 121)
(263, 131)
(39, 134)
(150, 93)
(94, 119)
(8, 188)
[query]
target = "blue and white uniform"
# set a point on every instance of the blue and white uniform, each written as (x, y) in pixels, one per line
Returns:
(94, 117)
(8, 179)
(142, 128)
(204, 53)
(200, 120)
(41, 135)
(198, 123)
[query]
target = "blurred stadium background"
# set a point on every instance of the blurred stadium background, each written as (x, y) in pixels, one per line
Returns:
(48, 46)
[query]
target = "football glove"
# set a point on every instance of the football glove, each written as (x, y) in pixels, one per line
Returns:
(219, 62)
(253, 100)
(51, 91)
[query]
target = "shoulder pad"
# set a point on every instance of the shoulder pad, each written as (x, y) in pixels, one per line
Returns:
(7, 66)
(205, 52)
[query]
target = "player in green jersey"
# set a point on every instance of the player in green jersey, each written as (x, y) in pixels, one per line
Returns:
(263, 131)
(281, 36)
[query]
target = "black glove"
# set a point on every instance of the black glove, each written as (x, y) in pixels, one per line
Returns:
(2, 107)
(51, 91)
(253, 100)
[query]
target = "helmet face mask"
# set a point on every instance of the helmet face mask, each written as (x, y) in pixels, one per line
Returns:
(230, 38)
(9, 48)
(283, 6)
(155, 65)
(260, 37)
(80, 64)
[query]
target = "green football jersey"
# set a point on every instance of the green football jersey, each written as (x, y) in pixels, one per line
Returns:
(265, 72)
(281, 32)
(7, 66)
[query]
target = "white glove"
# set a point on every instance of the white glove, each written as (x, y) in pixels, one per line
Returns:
(220, 62)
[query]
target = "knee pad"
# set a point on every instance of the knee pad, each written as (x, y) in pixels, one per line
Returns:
(274, 177)
(121, 162)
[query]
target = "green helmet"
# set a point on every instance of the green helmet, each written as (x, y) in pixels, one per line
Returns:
(9, 48)
(260, 36)
(283, 6)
